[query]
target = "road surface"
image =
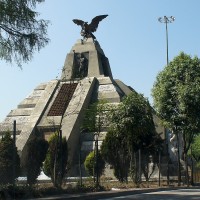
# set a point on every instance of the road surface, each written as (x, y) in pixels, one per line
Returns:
(180, 194)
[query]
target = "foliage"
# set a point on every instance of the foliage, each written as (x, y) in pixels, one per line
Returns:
(131, 128)
(196, 149)
(91, 164)
(36, 153)
(95, 116)
(8, 152)
(176, 95)
(115, 152)
(137, 120)
(21, 32)
(95, 121)
(56, 159)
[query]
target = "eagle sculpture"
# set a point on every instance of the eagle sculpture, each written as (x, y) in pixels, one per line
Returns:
(88, 29)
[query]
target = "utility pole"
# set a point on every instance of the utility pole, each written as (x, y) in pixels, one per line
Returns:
(167, 20)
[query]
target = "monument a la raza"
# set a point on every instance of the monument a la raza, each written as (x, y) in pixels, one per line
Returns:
(60, 104)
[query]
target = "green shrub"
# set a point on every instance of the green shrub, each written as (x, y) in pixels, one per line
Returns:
(9, 169)
(36, 153)
(56, 159)
(91, 164)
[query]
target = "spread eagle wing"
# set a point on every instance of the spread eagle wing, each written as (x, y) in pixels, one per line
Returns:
(95, 22)
(78, 22)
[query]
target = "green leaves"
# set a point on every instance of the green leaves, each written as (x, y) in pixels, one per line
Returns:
(134, 118)
(36, 153)
(176, 94)
(6, 160)
(91, 164)
(176, 91)
(56, 159)
(131, 127)
(95, 116)
(21, 33)
(196, 149)
(114, 150)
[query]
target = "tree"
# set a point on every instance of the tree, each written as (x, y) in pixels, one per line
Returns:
(8, 169)
(56, 159)
(95, 116)
(131, 128)
(196, 149)
(176, 94)
(137, 120)
(91, 165)
(115, 152)
(36, 153)
(21, 32)
(95, 121)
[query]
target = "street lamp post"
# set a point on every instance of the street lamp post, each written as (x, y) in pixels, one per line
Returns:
(167, 20)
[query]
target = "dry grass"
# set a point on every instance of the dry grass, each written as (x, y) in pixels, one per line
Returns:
(47, 189)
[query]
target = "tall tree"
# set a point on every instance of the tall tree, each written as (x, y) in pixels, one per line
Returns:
(131, 128)
(115, 152)
(8, 169)
(176, 94)
(95, 121)
(36, 153)
(21, 32)
(56, 159)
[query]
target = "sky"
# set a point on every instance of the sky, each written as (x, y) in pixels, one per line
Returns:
(131, 37)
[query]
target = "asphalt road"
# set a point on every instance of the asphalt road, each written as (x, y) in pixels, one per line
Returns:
(178, 194)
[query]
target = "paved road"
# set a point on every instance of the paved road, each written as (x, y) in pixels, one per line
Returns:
(180, 194)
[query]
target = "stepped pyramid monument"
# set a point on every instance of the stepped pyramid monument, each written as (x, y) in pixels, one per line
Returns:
(60, 104)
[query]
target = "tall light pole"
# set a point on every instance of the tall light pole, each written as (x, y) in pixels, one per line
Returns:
(166, 20)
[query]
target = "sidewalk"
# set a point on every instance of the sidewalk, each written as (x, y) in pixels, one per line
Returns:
(108, 194)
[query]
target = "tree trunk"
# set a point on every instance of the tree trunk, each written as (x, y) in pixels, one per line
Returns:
(167, 166)
(178, 159)
(131, 166)
(135, 162)
(186, 171)
(185, 160)
(192, 169)
(167, 147)
(159, 168)
(139, 170)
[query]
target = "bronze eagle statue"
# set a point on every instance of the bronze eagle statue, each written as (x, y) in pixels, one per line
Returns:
(88, 29)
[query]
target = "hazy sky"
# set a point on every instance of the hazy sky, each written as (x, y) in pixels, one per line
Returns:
(131, 37)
